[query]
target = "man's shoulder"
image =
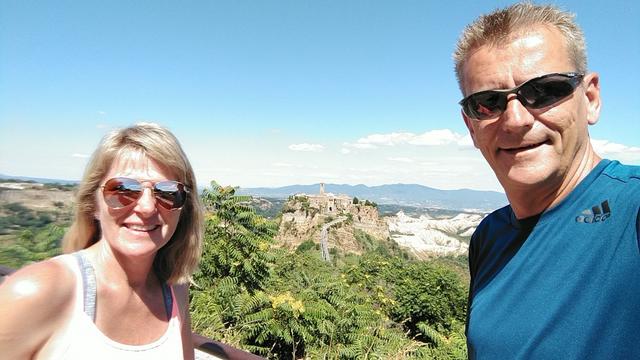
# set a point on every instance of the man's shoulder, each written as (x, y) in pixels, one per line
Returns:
(497, 219)
(624, 173)
(490, 239)
(502, 215)
(622, 183)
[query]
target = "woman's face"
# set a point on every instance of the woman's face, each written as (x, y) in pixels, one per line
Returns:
(142, 228)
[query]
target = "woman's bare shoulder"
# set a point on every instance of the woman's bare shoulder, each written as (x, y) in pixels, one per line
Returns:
(33, 302)
(49, 281)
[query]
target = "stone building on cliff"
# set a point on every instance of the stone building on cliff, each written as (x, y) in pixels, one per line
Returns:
(304, 215)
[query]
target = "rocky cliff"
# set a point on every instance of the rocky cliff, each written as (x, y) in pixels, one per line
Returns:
(304, 215)
(426, 236)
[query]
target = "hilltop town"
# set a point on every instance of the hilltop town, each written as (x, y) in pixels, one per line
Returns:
(303, 216)
(355, 223)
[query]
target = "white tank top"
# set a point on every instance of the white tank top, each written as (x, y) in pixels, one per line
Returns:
(81, 339)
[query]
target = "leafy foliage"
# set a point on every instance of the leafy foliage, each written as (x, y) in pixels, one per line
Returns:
(32, 246)
(428, 294)
(370, 203)
(236, 240)
(19, 217)
(292, 305)
(307, 245)
(365, 240)
(30, 235)
(314, 311)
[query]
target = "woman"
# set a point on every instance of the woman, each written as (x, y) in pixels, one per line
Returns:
(136, 239)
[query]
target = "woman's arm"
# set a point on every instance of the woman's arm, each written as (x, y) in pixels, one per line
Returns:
(34, 302)
(182, 296)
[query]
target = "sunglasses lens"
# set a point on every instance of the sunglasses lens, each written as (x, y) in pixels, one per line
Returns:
(170, 194)
(547, 91)
(121, 192)
(533, 94)
(485, 105)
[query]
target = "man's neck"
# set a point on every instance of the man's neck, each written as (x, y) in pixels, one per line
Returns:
(527, 201)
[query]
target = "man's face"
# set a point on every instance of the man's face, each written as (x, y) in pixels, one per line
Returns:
(531, 147)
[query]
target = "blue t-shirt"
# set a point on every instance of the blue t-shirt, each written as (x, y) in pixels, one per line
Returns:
(564, 284)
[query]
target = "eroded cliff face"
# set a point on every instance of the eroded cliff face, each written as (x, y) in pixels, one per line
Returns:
(304, 215)
(426, 236)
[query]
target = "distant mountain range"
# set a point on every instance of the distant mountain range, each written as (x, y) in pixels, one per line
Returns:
(397, 194)
(401, 194)
(39, 180)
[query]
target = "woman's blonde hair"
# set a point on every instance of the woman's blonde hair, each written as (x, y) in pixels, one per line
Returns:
(174, 262)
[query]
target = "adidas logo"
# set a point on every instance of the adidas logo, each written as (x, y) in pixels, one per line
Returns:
(597, 213)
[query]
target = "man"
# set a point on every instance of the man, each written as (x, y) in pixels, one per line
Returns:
(556, 274)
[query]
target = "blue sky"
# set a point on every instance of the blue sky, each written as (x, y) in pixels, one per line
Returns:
(271, 93)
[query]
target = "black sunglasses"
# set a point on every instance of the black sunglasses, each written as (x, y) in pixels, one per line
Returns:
(533, 94)
(121, 192)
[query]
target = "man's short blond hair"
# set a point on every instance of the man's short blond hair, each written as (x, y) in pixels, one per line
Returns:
(497, 27)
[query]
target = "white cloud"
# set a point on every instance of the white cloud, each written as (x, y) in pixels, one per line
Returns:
(387, 158)
(624, 153)
(361, 145)
(400, 159)
(281, 164)
(466, 142)
(606, 147)
(430, 138)
(306, 147)
(436, 137)
(325, 175)
(375, 140)
(297, 166)
(81, 156)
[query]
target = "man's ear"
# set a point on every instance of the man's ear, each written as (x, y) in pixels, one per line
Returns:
(592, 94)
(468, 122)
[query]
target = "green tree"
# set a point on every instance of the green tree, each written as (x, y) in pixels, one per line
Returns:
(32, 246)
(236, 240)
(307, 245)
(429, 301)
(429, 294)
(311, 311)
(370, 203)
(291, 305)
